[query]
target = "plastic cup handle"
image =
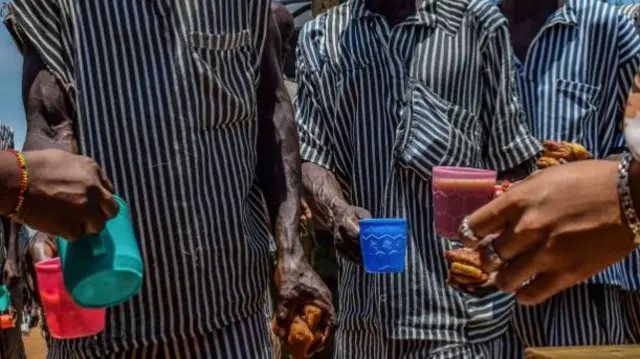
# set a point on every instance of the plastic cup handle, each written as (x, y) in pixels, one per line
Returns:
(97, 247)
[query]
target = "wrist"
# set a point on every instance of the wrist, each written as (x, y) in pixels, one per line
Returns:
(336, 206)
(9, 182)
(627, 186)
(634, 183)
(290, 246)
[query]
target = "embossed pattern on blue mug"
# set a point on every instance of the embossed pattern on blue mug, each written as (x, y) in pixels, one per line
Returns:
(383, 242)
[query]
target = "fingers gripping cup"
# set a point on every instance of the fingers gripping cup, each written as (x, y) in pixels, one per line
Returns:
(104, 269)
(384, 244)
(458, 192)
(65, 319)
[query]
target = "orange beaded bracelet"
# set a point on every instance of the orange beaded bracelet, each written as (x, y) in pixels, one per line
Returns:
(24, 183)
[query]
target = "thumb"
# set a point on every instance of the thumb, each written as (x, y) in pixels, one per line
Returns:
(362, 213)
(284, 316)
(352, 226)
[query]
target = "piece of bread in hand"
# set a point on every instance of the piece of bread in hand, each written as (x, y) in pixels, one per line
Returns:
(303, 332)
(466, 273)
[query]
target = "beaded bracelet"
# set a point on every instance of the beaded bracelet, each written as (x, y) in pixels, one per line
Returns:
(24, 183)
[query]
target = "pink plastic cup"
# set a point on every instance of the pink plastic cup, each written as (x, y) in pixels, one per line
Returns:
(458, 192)
(65, 319)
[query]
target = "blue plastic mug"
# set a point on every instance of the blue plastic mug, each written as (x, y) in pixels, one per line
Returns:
(383, 242)
(105, 269)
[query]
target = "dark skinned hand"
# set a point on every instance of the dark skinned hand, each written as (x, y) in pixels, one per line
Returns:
(305, 216)
(346, 231)
(69, 195)
(555, 229)
(298, 284)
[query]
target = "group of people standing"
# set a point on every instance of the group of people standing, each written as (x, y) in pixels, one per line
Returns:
(185, 107)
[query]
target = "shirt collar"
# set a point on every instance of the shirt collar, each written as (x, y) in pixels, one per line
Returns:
(428, 14)
(565, 15)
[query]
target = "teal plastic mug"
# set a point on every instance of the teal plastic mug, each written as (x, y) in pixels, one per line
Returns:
(5, 298)
(105, 269)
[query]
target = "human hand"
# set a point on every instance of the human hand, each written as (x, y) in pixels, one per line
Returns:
(299, 285)
(69, 195)
(305, 216)
(346, 231)
(556, 228)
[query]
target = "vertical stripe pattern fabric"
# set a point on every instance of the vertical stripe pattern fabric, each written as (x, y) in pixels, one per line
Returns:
(582, 315)
(165, 95)
(380, 106)
(574, 84)
(370, 345)
(575, 80)
(244, 339)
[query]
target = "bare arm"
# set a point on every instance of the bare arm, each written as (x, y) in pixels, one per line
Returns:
(278, 150)
(323, 193)
(48, 110)
(510, 149)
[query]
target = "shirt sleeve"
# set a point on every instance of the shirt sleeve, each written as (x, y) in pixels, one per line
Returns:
(315, 141)
(509, 142)
(628, 66)
(46, 26)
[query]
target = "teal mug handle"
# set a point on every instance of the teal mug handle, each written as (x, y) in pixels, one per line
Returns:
(97, 245)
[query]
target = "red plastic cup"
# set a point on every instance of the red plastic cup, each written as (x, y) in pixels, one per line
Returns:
(458, 192)
(65, 319)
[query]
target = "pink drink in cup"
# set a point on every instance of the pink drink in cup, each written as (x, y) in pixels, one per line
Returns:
(458, 192)
(65, 319)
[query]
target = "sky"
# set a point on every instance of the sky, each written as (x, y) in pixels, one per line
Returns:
(11, 110)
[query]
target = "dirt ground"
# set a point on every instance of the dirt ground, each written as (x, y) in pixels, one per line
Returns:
(35, 345)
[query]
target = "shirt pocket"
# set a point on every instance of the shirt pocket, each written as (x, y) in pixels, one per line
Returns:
(435, 132)
(576, 106)
(225, 78)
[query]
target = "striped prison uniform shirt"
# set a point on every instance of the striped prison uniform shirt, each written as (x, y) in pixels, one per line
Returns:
(574, 84)
(633, 12)
(165, 99)
(380, 106)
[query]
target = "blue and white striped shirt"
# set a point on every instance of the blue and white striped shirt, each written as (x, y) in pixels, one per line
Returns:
(575, 81)
(165, 93)
(633, 12)
(380, 106)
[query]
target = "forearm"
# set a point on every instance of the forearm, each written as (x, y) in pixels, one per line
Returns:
(279, 175)
(323, 193)
(278, 151)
